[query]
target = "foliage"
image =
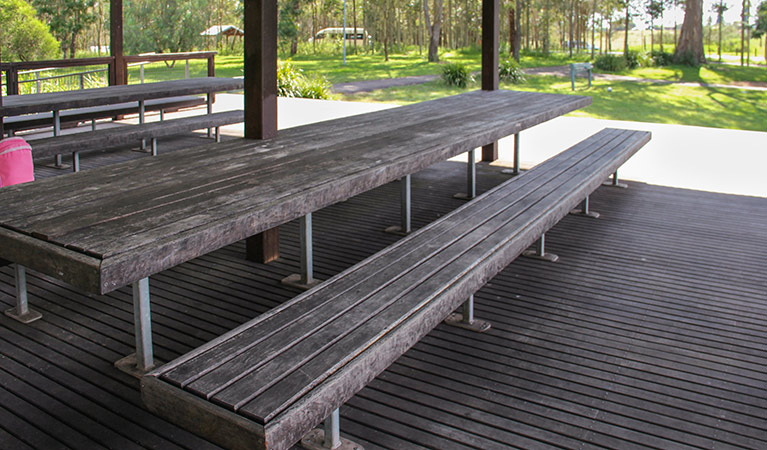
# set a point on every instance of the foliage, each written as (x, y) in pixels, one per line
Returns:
(610, 63)
(24, 37)
(510, 70)
(761, 20)
(632, 59)
(169, 26)
(67, 19)
(661, 59)
(287, 27)
(291, 82)
(456, 74)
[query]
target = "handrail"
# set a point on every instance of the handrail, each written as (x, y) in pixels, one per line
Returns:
(12, 69)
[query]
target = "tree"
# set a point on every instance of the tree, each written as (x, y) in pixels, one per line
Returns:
(434, 29)
(719, 9)
(654, 10)
(744, 26)
(761, 24)
(168, 26)
(67, 19)
(22, 36)
(287, 28)
(689, 49)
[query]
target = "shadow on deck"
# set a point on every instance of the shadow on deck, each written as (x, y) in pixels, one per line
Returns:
(651, 331)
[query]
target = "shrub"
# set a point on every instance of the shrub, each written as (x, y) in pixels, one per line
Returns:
(610, 63)
(509, 70)
(632, 59)
(291, 82)
(661, 58)
(456, 74)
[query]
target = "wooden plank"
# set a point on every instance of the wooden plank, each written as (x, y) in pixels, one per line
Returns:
(383, 267)
(16, 105)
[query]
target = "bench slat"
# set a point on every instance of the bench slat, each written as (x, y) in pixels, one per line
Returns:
(130, 133)
(419, 248)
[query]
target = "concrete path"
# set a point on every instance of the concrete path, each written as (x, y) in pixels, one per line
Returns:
(700, 158)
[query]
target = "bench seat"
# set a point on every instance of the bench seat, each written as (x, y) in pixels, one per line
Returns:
(111, 137)
(270, 381)
(75, 116)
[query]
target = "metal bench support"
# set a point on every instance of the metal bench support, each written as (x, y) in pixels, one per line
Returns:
(540, 251)
(471, 179)
(466, 318)
(515, 168)
(141, 362)
(58, 162)
(404, 228)
(613, 182)
(21, 311)
(304, 280)
(210, 111)
(329, 437)
(583, 210)
(75, 161)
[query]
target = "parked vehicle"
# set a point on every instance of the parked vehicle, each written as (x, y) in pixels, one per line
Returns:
(362, 37)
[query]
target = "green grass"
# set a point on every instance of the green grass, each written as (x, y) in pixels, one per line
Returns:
(710, 73)
(643, 102)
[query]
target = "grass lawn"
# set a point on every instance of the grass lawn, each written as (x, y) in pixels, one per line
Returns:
(643, 102)
(710, 73)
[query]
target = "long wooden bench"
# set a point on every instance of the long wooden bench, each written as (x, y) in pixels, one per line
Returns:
(72, 117)
(112, 137)
(270, 381)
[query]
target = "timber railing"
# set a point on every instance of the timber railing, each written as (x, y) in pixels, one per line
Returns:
(13, 70)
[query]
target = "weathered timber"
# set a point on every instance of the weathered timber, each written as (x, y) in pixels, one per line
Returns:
(171, 211)
(111, 137)
(75, 116)
(271, 380)
(16, 105)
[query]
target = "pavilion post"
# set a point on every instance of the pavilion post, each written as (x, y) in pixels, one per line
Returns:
(260, 100)
(119, 75)
(490, 42)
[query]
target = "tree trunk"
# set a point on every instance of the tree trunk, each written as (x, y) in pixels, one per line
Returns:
(720, 38)
(517, 29)
(690, 45)
(626, 34)
(570, 42)
(661, 33)
(433, 28)
(512, 33)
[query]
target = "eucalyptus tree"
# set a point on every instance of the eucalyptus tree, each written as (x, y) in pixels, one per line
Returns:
(166, 26)
(720, 8)
(433, 27)
(654, 9)
(745, 32)
(689, 48)
(760, 29)
(66, 19)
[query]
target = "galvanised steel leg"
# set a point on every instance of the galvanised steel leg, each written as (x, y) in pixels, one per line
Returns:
(405, 217)
(141, 120)
(583, 210)
(329, 437)
(75, 161)
(540, 251)
(21, 311)
(142, 318)
(305, 279)
(333, 430)
(466, 319)
(210, 111)
(614, 182)
(218, 134)
(154, 146)
(471, 179)
(142, 361)
(93, 125)
(515, 167)
(58, 162)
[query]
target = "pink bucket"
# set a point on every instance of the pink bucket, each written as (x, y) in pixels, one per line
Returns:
(15, 162)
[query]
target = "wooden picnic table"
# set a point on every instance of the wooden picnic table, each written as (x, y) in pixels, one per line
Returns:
(126, 222)
(15, 105)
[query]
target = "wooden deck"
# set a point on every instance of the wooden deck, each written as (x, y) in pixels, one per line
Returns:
(650, 332)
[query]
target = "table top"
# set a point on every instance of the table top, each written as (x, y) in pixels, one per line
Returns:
(121, 223)
(14, 105)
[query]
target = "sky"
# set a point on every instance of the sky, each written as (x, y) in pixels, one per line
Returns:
(730, 16)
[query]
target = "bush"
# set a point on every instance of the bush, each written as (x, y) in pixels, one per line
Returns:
(509, 70)
(456, 74)
(610, 63)
(632, 59)
(291, 82)
(23, 36)
(661, 58)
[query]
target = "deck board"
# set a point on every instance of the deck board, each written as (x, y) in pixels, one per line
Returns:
(650, 332)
